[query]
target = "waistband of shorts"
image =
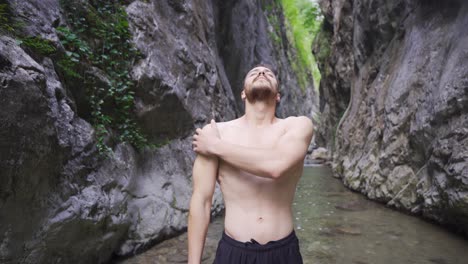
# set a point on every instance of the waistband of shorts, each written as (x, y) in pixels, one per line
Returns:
(255, 246)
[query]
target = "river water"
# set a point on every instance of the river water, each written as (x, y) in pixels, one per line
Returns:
(335, 225)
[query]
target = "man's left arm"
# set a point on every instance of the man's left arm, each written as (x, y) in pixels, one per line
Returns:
(275, 162)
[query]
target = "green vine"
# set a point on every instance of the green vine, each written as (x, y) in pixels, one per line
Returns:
(98, 35)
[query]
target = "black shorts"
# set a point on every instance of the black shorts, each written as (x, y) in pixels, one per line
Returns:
(283, 251)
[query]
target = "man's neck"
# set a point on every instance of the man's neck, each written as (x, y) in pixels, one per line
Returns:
(259, 114)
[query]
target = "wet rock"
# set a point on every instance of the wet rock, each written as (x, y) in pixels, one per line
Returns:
(320, 154)
(394, 233)
(360, 262)
(322, 254)
(335, 60)
(336, 194)
(332, 231)
(179, 258)
(348, 231)
(351, 206)
(438, 261)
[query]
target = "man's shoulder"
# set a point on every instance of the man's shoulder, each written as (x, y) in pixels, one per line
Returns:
(300, 126)
(299, 121)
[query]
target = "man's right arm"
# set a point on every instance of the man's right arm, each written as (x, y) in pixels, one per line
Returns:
(288, 152)
(205, 170)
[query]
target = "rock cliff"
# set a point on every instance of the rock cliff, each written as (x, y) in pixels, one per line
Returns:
(394, 97)
(61, 202)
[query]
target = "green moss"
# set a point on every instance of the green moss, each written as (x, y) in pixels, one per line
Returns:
(271, 10)
(13, 26)
(322, 42)
(276, 39)
(68, 68)
(305, 19)
(6, 19)
(301, 73)
(276, 32)
(301, 18)
(9, 24)
(39, 45)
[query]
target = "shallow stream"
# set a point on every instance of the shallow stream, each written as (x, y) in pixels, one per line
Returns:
(335, 225)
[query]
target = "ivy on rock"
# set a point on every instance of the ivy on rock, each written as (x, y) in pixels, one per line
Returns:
(97, 37)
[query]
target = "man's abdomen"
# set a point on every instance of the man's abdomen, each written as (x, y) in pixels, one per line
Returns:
(256, 207)
(261, 225)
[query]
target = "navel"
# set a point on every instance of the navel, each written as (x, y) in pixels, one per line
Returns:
(260, 219)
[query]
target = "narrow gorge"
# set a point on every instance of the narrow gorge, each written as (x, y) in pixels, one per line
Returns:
(181, 62)
(99, 101)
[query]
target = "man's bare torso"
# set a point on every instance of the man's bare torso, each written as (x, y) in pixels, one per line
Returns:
(256, 207)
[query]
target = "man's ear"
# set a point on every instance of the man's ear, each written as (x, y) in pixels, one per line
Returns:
(243, 95)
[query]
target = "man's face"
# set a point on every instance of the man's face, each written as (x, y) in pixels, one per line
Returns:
(260, 84)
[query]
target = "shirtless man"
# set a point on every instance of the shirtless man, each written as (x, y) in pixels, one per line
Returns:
(257, 160)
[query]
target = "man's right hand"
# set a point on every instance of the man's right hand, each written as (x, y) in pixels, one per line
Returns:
(205, 140)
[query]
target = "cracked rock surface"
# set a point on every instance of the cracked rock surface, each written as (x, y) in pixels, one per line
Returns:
(402, 138)
(59, 201)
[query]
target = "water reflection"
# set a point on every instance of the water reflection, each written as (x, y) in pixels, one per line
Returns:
(335, 225)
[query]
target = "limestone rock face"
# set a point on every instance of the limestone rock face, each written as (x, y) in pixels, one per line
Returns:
(403, 139)
(59, 201)
(335, 61)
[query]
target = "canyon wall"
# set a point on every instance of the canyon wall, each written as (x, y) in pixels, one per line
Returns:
(60, 201)
(394, 102)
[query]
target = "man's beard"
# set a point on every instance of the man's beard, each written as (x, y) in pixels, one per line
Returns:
(259, 91)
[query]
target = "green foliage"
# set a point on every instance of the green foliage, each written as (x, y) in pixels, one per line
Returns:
(38, 45)
(9, 24)
(99, 35)
(322, 41)
(273, 14)
(271, 10)
(13, 26)
(273, 21)
(312, 18)
(305, 19)
(5, 18)
(68, 67)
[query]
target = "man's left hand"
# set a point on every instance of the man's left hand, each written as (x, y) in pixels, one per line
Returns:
(205, 140)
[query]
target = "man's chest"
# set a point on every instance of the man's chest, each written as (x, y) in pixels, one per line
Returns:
(258, 138)
(253, 138)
